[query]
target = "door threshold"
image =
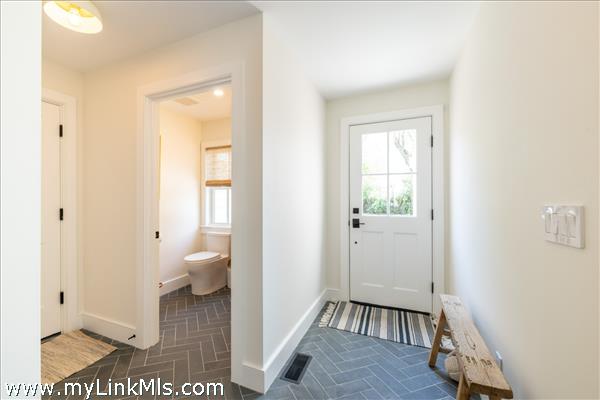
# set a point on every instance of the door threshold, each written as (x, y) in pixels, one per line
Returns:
(45, 339)
(360, 303)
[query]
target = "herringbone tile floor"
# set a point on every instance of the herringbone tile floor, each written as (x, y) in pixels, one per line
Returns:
(194, 347)
(195, 335)
(351, 366)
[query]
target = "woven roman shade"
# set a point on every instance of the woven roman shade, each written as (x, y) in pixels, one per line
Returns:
(218, 166)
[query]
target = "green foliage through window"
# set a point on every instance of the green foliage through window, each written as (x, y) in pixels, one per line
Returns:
(389, 172)
(402, 204)
(372, 202)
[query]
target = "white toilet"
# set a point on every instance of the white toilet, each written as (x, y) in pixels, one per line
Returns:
(208, 269)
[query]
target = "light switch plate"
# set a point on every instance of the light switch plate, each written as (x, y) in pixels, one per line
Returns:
(563, 224)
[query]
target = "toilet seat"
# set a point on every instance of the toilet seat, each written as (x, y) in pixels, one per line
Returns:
(202, 257)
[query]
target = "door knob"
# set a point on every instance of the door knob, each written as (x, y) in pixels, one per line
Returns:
(356, 223)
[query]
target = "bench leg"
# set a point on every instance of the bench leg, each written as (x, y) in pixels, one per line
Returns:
(437, 340)
(462, 393)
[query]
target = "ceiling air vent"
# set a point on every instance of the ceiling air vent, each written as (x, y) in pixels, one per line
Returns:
(186, 101)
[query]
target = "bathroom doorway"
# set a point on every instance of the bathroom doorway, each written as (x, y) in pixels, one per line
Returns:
(195, 191)
(194, 233)
(227, 354)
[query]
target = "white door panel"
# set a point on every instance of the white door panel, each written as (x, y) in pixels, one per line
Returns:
(51, 203)
(390, 194)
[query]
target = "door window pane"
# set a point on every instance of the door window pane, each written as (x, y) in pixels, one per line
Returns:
(374, 194)
(374, 153)
(403, 151)
(402, 194)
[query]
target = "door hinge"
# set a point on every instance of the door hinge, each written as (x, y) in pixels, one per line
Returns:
(157, 235)
(61, 214)
(60, 130)
(432, 287)
(431, 140)
(62, 297)
(432, 214)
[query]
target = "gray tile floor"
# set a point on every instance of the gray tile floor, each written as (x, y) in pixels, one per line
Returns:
(194, 346)
(351, 366)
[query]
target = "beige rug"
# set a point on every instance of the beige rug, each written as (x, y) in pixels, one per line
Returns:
(70, 353)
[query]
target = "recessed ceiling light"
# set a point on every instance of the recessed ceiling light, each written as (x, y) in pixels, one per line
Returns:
(80, 16)
(218, 92)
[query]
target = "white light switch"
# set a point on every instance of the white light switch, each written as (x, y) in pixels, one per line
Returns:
(563, 224)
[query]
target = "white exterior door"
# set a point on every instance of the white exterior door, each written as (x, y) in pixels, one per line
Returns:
(51, 232)
(391, 214)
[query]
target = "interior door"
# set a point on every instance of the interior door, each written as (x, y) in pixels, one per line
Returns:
(391, 214)
(51, 203)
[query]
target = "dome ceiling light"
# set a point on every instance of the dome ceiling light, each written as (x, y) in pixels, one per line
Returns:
(80, 16)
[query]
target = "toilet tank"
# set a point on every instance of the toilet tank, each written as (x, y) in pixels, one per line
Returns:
(219, 242)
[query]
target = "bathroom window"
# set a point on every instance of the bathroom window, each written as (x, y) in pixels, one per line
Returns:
(218, 206)
(217, 167)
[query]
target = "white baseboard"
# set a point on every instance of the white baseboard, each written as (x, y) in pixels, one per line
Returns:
(333, 294)
(249, 376)
(277, 361)
(109, 328)
(174, 284)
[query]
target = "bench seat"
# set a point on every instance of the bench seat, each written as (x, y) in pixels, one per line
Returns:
(479, 372)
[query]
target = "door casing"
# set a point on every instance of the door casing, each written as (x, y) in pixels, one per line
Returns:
(436, 113)
(147, 297)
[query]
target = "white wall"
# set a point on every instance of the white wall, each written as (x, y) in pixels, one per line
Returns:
(524, 132)
(111, 149)
(293, 202)
(415, 96)
(216, 129)
(20, 160)
(66, 81)
(180, 206)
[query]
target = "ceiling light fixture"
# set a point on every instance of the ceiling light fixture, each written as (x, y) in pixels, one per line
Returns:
(80, 16)
(218, 92)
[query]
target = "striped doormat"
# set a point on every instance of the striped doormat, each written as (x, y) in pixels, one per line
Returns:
(395, 325)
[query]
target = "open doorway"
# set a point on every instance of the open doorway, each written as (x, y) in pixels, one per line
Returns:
(195, 191)
(151, 99)
(194, 210)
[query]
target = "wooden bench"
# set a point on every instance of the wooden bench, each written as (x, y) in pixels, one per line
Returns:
(479, 371)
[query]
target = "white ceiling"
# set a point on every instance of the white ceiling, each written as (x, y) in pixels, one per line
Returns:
(207, 107)
(133, 27)
(345, 47)
(350, 47)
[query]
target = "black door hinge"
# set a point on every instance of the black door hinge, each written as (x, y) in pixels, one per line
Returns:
(60, 130)
(62, 297)
(432, 287)
(431, 140)
(61, 214)
(432, 214)
(157, 235)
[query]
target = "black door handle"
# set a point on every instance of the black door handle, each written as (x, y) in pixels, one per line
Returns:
(356, 223)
